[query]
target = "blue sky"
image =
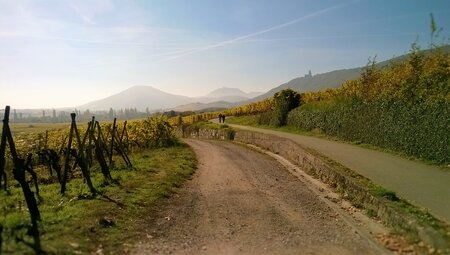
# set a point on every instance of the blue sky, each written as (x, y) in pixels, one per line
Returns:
(66, 53)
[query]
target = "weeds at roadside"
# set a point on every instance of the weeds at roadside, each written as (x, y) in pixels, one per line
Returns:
(72, 223)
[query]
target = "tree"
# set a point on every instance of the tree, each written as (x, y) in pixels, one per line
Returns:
(111, 113)
(54, 115)
(285, 101)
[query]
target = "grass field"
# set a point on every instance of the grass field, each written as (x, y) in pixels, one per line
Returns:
(112, 220)
(17, 128)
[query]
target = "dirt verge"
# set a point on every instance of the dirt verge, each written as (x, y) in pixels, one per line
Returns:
(420, 227)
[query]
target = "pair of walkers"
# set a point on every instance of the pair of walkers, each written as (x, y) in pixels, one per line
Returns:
(221, 118)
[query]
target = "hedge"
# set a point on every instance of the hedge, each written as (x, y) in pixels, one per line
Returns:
(420, 129)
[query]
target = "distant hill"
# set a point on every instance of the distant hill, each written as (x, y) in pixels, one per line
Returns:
(231, 99)
(219, 105)
(225, 91)
(317, 82)
(331, 79)
(143, 97)
(232, 95)
(140, 97)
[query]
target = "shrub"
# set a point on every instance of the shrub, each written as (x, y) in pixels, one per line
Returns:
(421, 130)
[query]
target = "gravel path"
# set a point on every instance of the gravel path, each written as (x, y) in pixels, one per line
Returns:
(243, 202)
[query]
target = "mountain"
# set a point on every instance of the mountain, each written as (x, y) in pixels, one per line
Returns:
(140, 97)
(314, 83)
(143, 97)
(228, 94)
(219, 105)
(232, 99)
(254, 94)
(331, 79)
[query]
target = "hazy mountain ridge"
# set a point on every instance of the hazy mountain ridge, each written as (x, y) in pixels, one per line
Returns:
(232, 95)
(203, 106)
(143, 97)
(140, 97)
(147, 97)
(332, 79)
(226, 91)
(317, 82)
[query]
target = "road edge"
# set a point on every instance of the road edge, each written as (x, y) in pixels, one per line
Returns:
(428, 233)
(334, 201)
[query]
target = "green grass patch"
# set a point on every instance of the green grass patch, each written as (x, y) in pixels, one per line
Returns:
(383, 192)
(19, 128)
(371, 213)
(79, 223)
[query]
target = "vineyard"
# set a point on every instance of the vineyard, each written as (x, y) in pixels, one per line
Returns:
(404, 107)
(66, 161)
(247, 109)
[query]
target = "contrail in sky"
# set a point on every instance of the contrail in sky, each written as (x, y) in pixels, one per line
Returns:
(189, 51)
(243, 37)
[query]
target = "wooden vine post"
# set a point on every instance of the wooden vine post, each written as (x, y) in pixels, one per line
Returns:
(124, 133)
(80, 158)
(111, 149)
(99, 148)
(120, 148)
(2, 154)
(116, 143)
(102, 139)
(90, 132)
(19, 174)
(78, 155)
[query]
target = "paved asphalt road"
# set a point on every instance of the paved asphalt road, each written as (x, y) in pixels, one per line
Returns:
(423, 185)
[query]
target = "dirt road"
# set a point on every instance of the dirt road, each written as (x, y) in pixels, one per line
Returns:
(243, 202)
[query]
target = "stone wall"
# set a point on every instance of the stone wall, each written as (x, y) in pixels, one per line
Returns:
(217, 134)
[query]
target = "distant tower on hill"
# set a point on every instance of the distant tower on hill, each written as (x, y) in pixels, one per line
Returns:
(308, 75)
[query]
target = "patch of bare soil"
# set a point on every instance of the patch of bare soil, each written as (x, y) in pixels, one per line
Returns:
(243, 202)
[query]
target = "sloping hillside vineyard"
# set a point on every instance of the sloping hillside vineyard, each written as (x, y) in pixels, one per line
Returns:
(404, 106)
